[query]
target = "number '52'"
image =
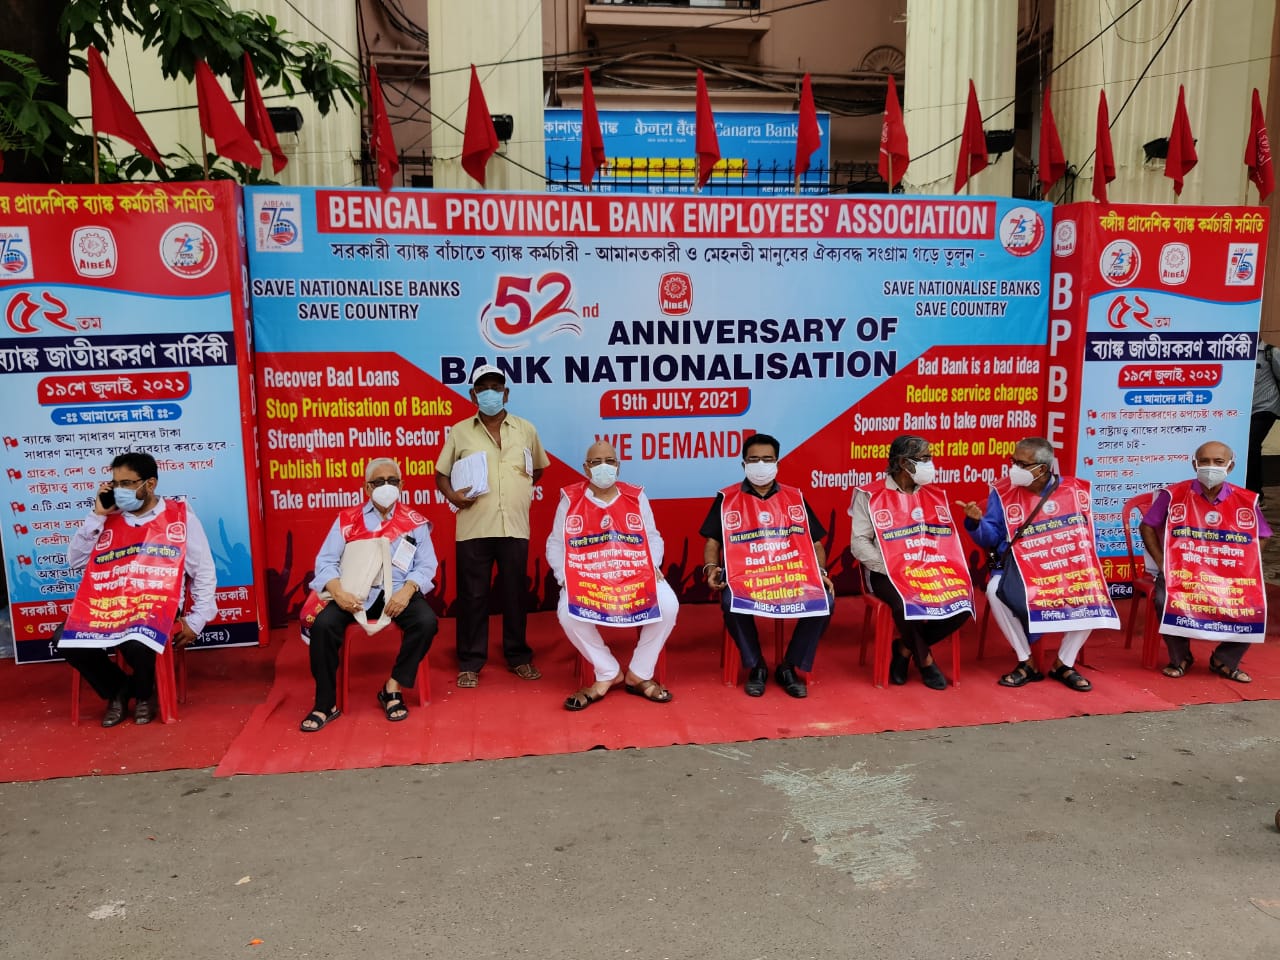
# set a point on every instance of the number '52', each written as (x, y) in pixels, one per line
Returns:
(514, 292)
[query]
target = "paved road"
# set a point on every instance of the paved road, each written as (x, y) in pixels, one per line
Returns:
(1139, 836)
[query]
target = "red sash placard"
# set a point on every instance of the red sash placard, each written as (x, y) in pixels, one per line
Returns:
(923, 555)
(1213, 567)
(1057, 559)
(770, 564)
(351, 523)
(132, 583)
(608, 567)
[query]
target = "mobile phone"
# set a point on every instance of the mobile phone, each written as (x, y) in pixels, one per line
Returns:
(107, 499)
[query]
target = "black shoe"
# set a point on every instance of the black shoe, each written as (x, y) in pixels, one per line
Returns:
(116, 708)
(757, 677)
(791, 682)
(898, 665)
(933, 678)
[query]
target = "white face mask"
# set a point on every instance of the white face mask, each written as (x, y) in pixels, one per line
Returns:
(604, 475)
(385, 495)
(924, 473)
(1021, 476)
(1212, 476)
(761, 474)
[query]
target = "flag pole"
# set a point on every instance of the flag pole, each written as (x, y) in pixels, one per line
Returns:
(890, 173)
(204, 152)
(95, 151)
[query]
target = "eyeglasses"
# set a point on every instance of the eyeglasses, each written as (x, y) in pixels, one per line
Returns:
(127, 484)
(760, 459)
(394, 481)
(1025, 466)
(600, 462)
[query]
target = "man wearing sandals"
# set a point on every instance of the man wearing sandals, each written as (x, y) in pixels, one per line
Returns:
(375, 566)
(143, 540)
(1045, 572)
(1204, 536)
(606, 554)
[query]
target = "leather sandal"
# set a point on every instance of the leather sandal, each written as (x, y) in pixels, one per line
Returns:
(393, 705)
(1021, 675)
(1176, 670)
(582, 699)
(1070, 678)
(650, 690)
(1222, 670)
(318, 720)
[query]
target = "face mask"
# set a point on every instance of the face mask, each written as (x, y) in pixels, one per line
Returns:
(1208, 477)
(604, 475)
(489, 401)
(1020, 476)
(761, 474)
(128, 500)
(385, 495)
(924, 474)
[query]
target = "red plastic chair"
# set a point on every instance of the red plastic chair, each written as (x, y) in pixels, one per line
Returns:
(731, 660)
(357, 634)
(1143, 584)
(886, 630)
(171, 684)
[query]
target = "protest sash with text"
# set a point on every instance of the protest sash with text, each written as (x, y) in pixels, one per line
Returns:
(1213, 567)
(770, 564)
(1057, 559)
(351, 523)
(132, 583)
(608, 567)
(923, 555)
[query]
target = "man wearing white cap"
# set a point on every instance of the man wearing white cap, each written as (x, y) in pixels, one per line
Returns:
(492, 527)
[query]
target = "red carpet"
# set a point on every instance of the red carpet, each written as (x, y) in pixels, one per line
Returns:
(242, 721)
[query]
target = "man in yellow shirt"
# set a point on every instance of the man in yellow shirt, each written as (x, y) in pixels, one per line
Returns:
(493, 527)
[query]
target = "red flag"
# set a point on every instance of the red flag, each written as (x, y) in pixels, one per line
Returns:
(1053, 164)
(973, 143)
(112, 113)
(808, 133)
(1257, 152)
(1104, 160)
(894, 153)
(256, 119)
(1182, 146)
(219, 121)
(706, 143)
(381, 142)
(592, 139)
(480, 140)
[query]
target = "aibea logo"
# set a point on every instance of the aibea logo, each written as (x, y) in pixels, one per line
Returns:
(675, 294)
(15, 254)
(276, 227)
(188, 250)
(93, 251)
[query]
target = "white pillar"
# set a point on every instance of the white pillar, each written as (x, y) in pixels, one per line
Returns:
(503, 32)
(950, 42)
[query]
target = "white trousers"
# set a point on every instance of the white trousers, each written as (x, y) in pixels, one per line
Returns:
(653, 637)
(1011, 627)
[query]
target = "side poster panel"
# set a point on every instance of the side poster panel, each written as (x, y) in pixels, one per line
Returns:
(124, 329)
(673, 327)
(1160, 309)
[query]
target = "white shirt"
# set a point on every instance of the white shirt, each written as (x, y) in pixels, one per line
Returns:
(198, 568)
(555, 542)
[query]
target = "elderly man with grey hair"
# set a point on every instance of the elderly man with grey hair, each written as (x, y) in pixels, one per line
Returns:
(1033, 514)
(374, 566)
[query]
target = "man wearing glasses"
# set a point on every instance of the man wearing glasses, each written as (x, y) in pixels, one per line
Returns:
(375, 566)
(606, 554)
(1045, 574)
(146, 551)
(764, 554)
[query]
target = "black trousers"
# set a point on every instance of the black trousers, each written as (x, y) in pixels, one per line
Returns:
(1229, 653)
(800, 651)
(1259, 426)
(417, 622)
(917, 635)
(104, 674)
(476, 560)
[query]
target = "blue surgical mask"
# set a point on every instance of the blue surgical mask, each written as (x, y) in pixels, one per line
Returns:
(490, 401)
(128, 500)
